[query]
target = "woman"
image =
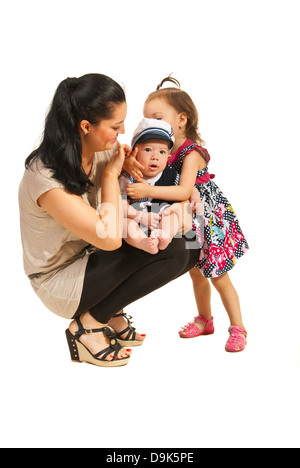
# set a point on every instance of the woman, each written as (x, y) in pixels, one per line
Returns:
(71, 224)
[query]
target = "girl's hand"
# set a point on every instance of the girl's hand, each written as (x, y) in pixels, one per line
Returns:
(139, 190)
(132, 166)
(116, 163)
(196, 202)
(169, 211)
(198, 207)
(184, 213)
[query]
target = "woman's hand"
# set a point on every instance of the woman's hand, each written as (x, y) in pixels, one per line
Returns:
(138, 190)
(132, 166)
(115, 165)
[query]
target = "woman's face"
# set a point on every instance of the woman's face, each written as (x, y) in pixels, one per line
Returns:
(104, 135)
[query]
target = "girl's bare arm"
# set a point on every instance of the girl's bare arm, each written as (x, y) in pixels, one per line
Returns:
(179, 192)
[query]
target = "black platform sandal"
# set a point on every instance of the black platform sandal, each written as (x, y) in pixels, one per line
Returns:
(80, 353)
(129, 340)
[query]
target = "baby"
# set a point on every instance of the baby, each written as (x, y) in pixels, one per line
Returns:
(146, 226)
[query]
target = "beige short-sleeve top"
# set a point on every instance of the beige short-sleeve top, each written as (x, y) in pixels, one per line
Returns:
(51, 253)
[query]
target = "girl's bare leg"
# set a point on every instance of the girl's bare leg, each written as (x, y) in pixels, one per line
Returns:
(202, 292)
(229, 298)
(228, 294)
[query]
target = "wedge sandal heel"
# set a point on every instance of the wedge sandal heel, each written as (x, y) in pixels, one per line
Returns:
(80, 353)
(73, 347)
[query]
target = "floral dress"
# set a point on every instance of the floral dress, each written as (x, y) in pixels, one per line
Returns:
(224, 241)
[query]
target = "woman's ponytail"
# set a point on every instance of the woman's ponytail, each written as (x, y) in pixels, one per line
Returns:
(90, 98)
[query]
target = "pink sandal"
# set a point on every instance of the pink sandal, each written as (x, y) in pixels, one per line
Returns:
(237, 340)
(192, 331)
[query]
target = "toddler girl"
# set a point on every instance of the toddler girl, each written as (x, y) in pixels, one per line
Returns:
(224, 241)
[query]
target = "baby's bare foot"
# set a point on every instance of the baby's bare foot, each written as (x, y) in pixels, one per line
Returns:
(148, 244)
(163, 238)
(153, 242)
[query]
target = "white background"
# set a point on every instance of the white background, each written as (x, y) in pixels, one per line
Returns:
(239, 61)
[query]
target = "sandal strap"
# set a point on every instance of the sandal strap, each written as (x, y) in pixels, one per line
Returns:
(113, 348)
(202, 319)
(88, 331)
(121, 314)
(130, 329)
(130, 335)
(237, 339)
(114, 344)
(190, 327)
(237, 330)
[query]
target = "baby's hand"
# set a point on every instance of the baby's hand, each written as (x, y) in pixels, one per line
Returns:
(153, 220)
(139, 190)
(132, 166)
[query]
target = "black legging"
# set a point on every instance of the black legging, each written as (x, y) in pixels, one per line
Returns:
(115, 279)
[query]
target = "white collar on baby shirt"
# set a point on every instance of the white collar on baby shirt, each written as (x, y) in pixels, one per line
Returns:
(154, 179)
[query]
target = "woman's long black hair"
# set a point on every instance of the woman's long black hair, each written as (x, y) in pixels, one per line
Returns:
(90, 97)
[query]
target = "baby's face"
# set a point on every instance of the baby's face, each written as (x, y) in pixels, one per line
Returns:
(153, 155)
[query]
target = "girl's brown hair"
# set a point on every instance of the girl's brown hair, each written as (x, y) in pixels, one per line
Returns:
(182, 102)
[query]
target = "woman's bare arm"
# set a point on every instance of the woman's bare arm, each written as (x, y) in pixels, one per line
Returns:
(103, 230)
